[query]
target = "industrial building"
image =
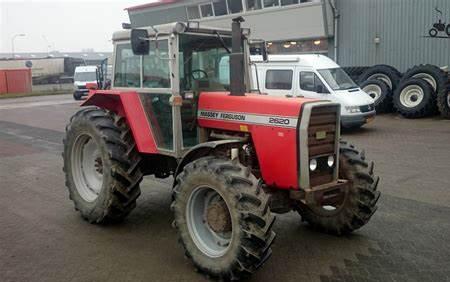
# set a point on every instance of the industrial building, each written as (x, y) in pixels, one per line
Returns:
(353, 32)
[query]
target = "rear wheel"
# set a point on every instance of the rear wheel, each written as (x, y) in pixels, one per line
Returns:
(223, 218)
(443, 102)
(101, 165)
(433, 32)
(359, 203)
(414, 98)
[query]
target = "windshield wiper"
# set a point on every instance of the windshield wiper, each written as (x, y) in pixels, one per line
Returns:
(222, 42)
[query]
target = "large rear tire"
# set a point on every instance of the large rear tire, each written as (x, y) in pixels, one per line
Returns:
(443, 102)
(223, 218)
(414, 98)
(386, 73)
(101, 165)
(360, 200)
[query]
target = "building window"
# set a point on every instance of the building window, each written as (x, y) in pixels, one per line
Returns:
(193, 12)
(279, 79)
(252, 5)
(235, 6)
(220, 7)
(207, 10)
(290, 2)
(270, 3)
(127, 71)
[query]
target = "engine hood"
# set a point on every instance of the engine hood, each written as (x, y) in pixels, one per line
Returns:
(352, 98)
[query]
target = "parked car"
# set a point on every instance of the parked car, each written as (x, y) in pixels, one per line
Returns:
(313, 76)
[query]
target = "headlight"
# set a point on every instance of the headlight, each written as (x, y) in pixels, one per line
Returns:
(313, 164)
(353, 109)
(330, 161)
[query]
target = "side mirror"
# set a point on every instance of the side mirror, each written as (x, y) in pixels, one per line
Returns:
(140, 44)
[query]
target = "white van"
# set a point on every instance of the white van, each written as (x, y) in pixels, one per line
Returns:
(313, 76)
(82, 76)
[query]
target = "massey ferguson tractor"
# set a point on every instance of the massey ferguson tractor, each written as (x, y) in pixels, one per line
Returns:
(181, 106)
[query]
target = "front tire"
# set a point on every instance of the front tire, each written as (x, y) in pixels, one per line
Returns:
(101, 165)
(360, 200)
(223, 218)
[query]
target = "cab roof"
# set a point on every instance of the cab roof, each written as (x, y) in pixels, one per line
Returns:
(314, 61)
(166, 29)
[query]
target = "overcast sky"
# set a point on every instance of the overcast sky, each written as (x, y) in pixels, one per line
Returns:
(66, 25)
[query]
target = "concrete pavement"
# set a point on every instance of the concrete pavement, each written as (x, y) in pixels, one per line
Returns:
(42, 238)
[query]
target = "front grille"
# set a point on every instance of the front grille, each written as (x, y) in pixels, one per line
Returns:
(81, 86)
(367, 108)
(322, 140)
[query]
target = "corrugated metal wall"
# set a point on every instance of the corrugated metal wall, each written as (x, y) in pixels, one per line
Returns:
(401, 25)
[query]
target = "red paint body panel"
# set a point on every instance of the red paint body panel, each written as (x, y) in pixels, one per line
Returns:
(276, 147)
(127, 104)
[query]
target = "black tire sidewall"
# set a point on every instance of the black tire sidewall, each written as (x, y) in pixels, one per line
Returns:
(385, 91)
(95, 209)
(217, 183)
(391, 72)
(424, 105)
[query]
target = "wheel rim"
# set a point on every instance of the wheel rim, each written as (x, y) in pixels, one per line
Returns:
(411, 96)
(381, 77)
(373, 90)
(428, 78)
(448, 99)
(209, 221)
(87, 167)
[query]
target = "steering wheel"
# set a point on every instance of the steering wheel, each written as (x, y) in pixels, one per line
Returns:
(194, 77)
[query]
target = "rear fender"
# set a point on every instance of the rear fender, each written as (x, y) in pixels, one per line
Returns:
(202, 150)
(128, 105)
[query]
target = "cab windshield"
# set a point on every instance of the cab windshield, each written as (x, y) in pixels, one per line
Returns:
(204, 62)
(85, 76)
(337, 79)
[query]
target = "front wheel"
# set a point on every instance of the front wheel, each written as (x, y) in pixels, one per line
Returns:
(223, 218)
(359, 203)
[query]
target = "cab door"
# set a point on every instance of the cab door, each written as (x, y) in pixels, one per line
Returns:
(310, 85)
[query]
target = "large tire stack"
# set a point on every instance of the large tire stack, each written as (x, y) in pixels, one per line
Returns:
(379, 82)
(421, 91)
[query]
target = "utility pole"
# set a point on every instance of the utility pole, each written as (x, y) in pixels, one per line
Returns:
(12, 42)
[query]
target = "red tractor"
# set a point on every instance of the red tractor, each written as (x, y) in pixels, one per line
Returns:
(181, 106)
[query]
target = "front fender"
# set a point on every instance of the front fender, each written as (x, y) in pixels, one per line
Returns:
(128, 105)
(202, 150)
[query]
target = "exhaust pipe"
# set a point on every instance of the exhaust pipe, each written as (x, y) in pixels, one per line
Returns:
(237, 83)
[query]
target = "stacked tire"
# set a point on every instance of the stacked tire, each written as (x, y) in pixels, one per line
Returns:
(379, 82)
(422, 90)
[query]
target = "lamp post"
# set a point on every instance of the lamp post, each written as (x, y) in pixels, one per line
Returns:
(12, 42)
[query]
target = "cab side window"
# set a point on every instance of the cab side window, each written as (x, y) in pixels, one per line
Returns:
(156, 69)
(127, 71)
(279, 79)
(309, 81)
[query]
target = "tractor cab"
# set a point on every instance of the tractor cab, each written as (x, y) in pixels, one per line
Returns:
(169, 66)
